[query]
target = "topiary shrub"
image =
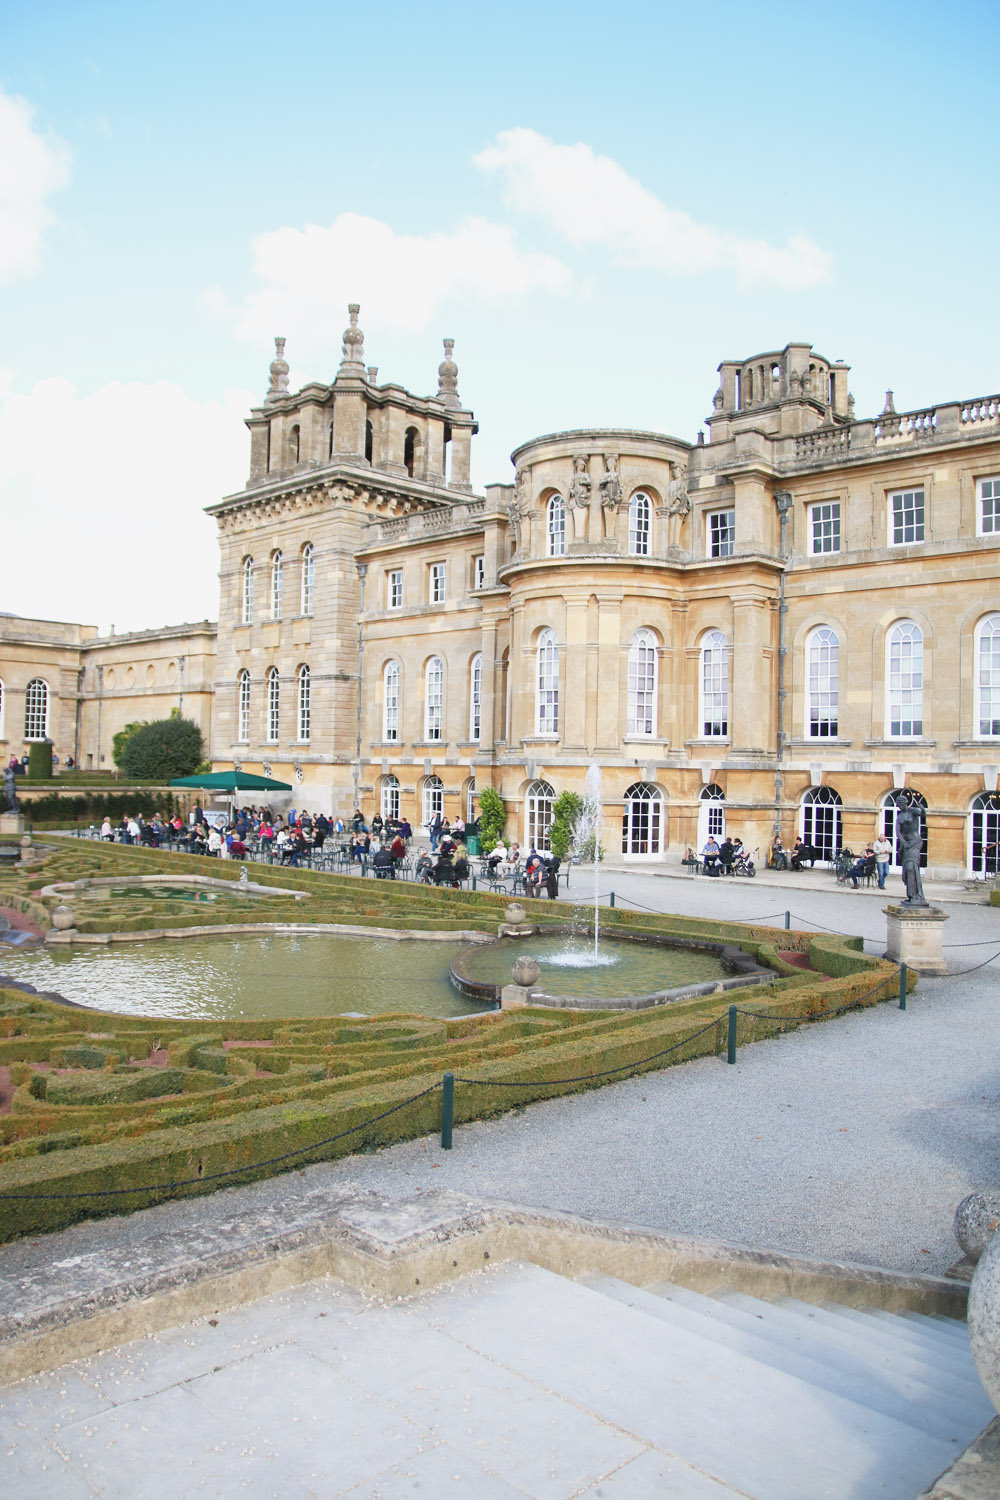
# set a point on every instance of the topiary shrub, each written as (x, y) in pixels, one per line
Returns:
(565, 811)
(159, 751)
(492, 817)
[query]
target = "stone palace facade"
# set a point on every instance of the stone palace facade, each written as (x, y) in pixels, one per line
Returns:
(780, 628)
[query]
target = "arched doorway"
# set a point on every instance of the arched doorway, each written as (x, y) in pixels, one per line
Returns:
(390, 798)
(821, 821)
(538, 802)
(432, 800)
(892, 805)
(642, 820)
(984, 835)
(711, 814)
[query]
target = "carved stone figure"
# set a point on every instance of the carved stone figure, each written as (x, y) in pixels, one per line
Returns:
(610, 485)
(678, 499)
(910, 845)
(278, 387)
(579, 490)
(9, 788)
(517, 506)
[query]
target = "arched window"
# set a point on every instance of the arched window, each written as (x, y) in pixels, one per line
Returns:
(640, 519)
(243, 706)
(538, 815)
(505, 694)
(984, 834)
(389, 800)
(410, 440)
(904, 681)
(713, 685)
(821, 820)
(36, 709)
(470, 800)
(432, 799)
(246, 592)
(308, 577)
(369, 441)
(642, 820)
(277, 584)
(555, 527)
(475, 696)
(641, 712)
(711, 814)
(822, 683)
(273, 705)
(434, 699)
(987, 680)
(304, 715)
(547, 703)
(892, 804)
(390, 701)
(294, 445)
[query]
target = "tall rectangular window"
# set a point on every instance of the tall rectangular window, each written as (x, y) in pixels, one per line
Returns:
(988, 517)
(478, 571)
(721, 533)
(394, 589)
(436, 594)
(906, 517)
(824, 527)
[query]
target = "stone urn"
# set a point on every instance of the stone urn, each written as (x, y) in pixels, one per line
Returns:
(525, 971)
(26, 841)
(984, 1318)
(514, 914)
(62, 918)
(977, 1219)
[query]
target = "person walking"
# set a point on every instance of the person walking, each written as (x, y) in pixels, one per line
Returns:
(883, 852)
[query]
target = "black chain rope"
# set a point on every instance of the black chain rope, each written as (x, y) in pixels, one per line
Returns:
(162, 1187)
(524, 1083)
(759, 1015)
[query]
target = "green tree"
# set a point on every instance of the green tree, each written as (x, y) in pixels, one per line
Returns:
(163, 749)
(121, 739)
(565, 811)
(492, 817)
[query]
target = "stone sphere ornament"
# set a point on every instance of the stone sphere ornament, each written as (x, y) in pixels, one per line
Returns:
(984, 1319)
(977, 1219)
(514, 914)
(525, 971)
(62, 918)
(26, 841)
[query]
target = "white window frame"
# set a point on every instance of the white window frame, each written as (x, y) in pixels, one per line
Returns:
(640, 718)
(434, 700)
(821, 820)
(824, 528)
(390, 702)
(431, 799)
(243, 707)
(897, 511)
(988, 506)
(555, 526)
(389, 798)
(273, 706)
(986, 678)
(547, 684)
(822, 684)
(246, 592)
(713, 686)
(394, 588)
(642, 821)
(479, 571)
(437, 583)
(538, 802)
(640, 524)
(37, 704)
(476, 696)
(308, 591)
(277, 584)
(904, 681)
(720, 533)
(304, 703)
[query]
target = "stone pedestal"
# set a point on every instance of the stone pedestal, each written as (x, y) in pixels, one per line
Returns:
(914, 937)
(11, 824)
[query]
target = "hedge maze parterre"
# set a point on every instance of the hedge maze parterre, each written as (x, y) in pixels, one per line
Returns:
(108, 1113)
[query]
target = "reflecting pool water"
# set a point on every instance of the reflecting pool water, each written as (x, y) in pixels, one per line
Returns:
(251, 976)
(568, 966)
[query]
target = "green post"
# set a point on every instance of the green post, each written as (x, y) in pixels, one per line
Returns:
(788, 921)
(447, 1110)
(473, 882)
(612, 901)
(731, 1047)
(902, 986)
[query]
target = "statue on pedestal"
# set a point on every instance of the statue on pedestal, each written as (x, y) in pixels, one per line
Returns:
(10, 791)
(911, 846)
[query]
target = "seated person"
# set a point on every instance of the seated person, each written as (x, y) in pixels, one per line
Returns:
(534, 873)
(800, 852)
(444, 871)
(461, 863)
(779, 859)
(496, 854)
(711, 857)
(864, 865)
(727, 853)
(424, 869)
(514, 856)
(398, 849)
(383, 864)
(237, 849)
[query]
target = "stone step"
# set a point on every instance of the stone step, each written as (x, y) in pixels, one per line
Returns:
(900, 1336)
(750, 1426)
(900, 1397)
(929, 1322)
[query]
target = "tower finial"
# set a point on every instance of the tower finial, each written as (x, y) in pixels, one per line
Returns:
(448, 376)
(353, 361)
(279, 374)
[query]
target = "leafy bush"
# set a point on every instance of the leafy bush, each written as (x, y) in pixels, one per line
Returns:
(121, 739)
(164, 749)
(565, 811)
(492, 817)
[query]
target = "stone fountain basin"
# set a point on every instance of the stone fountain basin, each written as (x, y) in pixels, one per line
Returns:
(739, 970)
(68, 890)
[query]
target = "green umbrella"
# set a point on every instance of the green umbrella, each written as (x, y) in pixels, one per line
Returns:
(233, 781)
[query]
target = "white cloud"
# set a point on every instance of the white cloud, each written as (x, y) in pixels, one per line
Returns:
(31, 167)
(592, 200)
(306, 276)
(102, 499)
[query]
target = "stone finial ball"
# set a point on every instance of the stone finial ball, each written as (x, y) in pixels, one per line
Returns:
(62, 918)
(984, 1319)
(977, 1219)
(524, 971)
(514, 914)
(26, 841)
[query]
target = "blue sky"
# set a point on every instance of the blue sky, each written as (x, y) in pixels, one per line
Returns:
(598, 204)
